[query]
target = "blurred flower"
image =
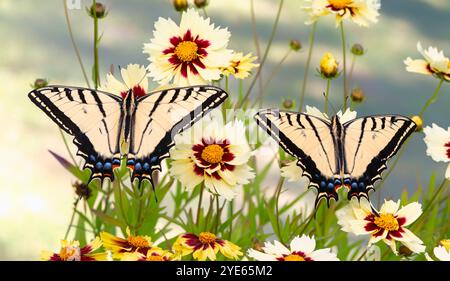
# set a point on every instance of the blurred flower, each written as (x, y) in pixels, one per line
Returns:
(419, 122)
(82, 190)
(180, 5)
(359, 11)
(357, 95)
(434, 63)
(357, 49)
(388, 224)
(343, 117)
(201, 3)
(437, 140)
(301, 249)
(189, 54)
(99, 11)
(288, 103)
(40, 83)
(295, 45)
(291, 171)
(328, 66)
(240, 66)
(215, 155)
(71, 251)
(153, 254)
(205, 246)
(134, 77)
(118, 246)
(442, 252)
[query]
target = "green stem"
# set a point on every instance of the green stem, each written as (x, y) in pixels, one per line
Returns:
(217, 223)
(350, 73)
(255, 39)
(204, 11)
(74, 45)
(71, 218)
(266, 53)
(277, 212)
(432, 99)
(344, 63)
(274, 72)
(312, 36)
(442, 186)
(96, 73)
(327, 95)
(199, 206)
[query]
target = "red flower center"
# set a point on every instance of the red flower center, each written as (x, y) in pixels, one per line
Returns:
(448, 149)
(137, 91)
(187, 52)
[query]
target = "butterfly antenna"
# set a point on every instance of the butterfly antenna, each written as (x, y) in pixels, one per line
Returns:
(333, 107)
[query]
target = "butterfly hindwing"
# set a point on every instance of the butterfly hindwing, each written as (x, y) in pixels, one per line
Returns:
(161, 115)
(309, 139)
(92, 117)
(369, 142)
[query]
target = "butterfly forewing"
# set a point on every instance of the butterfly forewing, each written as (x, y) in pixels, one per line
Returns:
(368, 143)
(161, 115)
(92, 117)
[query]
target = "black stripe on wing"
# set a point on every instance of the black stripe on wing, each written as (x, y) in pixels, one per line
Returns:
(142, 168)
(325, 186)
(360, 187)
(101, 167)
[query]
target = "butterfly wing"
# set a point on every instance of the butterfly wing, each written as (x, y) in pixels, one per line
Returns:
(310, 140)
(92, 117)
(159, 117)
(368, 143)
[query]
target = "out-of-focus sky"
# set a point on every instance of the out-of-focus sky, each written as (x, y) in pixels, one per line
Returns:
(35, 192)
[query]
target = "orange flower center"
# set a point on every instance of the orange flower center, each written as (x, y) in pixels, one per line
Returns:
(446, 244)
(213, 153)
(340, 4)
(69, 253)
(387, 221)
(207, 237)
(138, 241)
(186, 51)
(155, 258)
(293, 257)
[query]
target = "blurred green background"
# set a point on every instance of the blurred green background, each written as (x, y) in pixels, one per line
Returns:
(35, 192)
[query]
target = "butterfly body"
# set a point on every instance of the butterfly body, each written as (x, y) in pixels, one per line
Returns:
(108, 127)
(333, 154)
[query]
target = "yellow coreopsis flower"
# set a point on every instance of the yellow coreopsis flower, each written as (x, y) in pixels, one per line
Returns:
(360, 12)
(205, 246)
(119, 246)
(153, 254)
(240, 65)
(71, 251)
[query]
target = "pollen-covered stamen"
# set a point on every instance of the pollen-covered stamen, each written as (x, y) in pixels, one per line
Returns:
(213, 153)
(70, 253)
(339, 4)
(293, 257)
(155, 258)
(447, 145)
(207, 238)
(138, 241)
(387, 221)
(186, 51)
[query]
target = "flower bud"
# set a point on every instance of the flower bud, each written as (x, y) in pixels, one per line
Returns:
(39, 83)
(288, 103)
(357, 49)
(82, 190)
(295, 45)
(357, 95)
(99, 10)
(201, 3)
(419, 122)
(328, 66)
(180, 5)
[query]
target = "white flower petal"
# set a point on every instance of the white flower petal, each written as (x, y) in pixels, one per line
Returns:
(441, 253)
(410, 212)
(304, 244)
(259, 256)
(390, 207)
